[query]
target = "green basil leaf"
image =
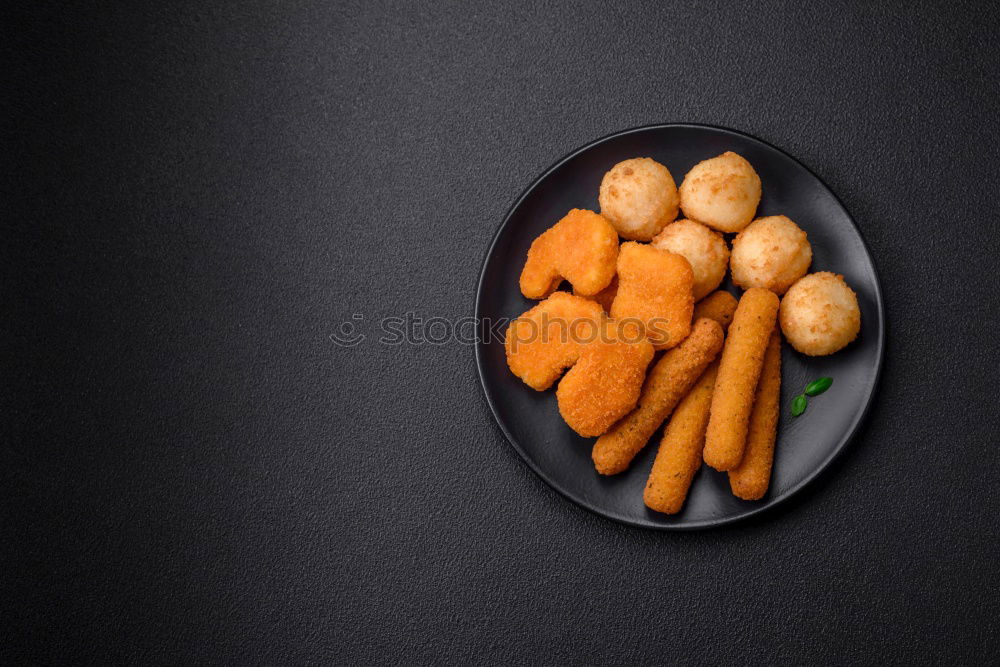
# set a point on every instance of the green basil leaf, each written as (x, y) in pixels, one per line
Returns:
(817, 387)
(799, 404)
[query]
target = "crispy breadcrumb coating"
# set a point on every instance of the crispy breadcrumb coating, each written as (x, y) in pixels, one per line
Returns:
(607, 360)
(538, 343)
(750, 479)
(679, 456)
(605, 297)
(605, 383)
(654, 287)
(739, 371)
(581, 248)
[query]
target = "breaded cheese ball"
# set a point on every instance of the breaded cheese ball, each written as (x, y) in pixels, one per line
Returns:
(706, 251)
(820, 315)
(722, 192)
(771, 253)
(639, 197)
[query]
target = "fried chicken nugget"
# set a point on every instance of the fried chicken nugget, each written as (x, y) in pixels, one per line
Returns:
(582, 248)
(750, 479)
(667, 382)
(539, 347)
(739, 371)
(608, 361)
(719, 306)
(655, 287)
(606, 296)
(606, 381)
(679, 456)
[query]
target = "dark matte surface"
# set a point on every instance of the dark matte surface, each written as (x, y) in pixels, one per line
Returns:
(195, 198)
(806, 445)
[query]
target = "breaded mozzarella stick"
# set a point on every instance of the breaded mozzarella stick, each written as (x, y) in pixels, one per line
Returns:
(739, 370)
(679, 456)
(751, 478)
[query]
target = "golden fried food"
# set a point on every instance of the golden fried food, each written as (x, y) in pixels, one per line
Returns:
(820, 314)
(538, 343)
(605, 297)
(705, 250)
(581, 248)
(722, 192)
(606, 381)
(679, 456)
(607, 361)
(739, 371)
(771, 252)
(719, 306)
(639, 197)
(750, 479)
(654, 287)
(667, 382)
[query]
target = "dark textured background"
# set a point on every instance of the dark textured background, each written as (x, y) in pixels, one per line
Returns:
(195, 197)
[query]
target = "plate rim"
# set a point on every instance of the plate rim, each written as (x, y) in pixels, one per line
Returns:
(709, 523)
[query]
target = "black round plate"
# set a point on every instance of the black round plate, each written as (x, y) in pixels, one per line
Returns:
(806, 445)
